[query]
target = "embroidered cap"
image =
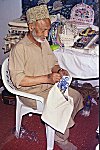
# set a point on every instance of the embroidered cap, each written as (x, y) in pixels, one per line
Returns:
(37, 13)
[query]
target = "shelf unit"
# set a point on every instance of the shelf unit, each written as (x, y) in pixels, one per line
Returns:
(17, 30)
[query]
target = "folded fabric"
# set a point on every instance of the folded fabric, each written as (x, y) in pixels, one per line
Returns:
(58, 109)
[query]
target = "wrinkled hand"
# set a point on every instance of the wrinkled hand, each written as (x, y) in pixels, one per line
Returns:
(63, 72)
(54, 77)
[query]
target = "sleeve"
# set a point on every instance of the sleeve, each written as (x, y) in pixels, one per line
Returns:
(51, 57)
(16, 64)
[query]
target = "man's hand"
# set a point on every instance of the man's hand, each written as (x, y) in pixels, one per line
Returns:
(63, 72)
(54, 77)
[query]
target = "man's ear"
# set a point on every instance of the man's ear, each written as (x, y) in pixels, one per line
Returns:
(31, 26)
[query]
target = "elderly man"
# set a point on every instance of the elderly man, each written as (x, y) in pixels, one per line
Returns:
(34, 68)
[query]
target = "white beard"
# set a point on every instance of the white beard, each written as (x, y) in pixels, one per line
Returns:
(37, 38)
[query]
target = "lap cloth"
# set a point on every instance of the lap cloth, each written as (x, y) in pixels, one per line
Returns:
(58, 109)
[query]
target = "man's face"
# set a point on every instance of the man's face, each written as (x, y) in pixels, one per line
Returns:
(41, 30)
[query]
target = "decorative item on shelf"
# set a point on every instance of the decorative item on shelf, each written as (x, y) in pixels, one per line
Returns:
(82, 15)
(52, 37)
(17, 30)
(56, 21)
(57, 5)
(40, 2)
(86, 39)
(19, 22)
(53, 18)
(67, 33)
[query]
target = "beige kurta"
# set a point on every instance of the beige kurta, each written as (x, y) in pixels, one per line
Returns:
(27, 59)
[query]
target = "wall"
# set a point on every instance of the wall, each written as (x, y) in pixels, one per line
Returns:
(9, 10)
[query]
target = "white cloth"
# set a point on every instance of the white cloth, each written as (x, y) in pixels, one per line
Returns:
(79, 65)
(57, 110)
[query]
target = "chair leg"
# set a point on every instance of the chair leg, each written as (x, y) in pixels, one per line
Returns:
(18, 118)
(50, 133)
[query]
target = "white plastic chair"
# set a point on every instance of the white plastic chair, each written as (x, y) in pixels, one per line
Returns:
(97, 131)
(21, 109)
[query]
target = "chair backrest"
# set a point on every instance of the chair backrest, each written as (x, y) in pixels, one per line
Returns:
(82, 13)
(6, 77)
(10, 87)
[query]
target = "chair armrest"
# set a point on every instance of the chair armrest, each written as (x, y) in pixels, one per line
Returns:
(32, 96)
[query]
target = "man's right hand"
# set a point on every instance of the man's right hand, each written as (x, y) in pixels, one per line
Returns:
(54, 77)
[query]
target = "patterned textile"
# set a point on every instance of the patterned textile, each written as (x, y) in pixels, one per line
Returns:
(37, 13)
(82, 13)
(64, 6)
(64, 83)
